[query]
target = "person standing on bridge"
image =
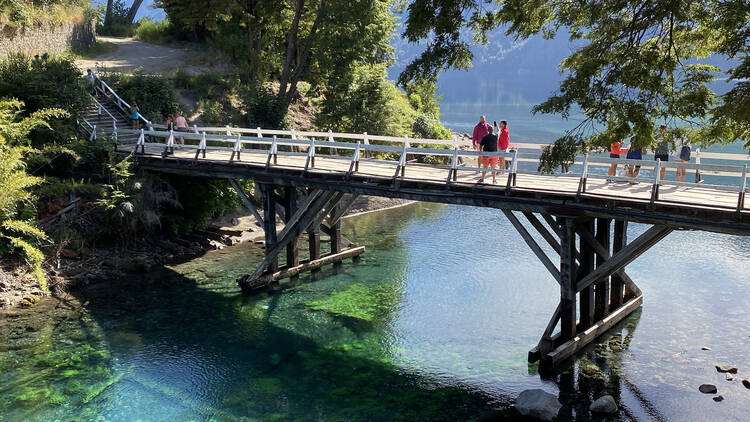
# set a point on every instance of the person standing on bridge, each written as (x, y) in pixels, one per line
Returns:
(614, 152)
(181, 125)
(662, 149)
(634, 154)
(503, 141)
(488, 144)
(480, 131)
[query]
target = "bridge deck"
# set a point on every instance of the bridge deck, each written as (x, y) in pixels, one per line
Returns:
(691, 206)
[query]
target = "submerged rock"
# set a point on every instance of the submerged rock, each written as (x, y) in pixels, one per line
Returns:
(718, 398)
(727, 368)
(707, 389)
(538, 404)
(706, 348)
(746, 382)
(729, 377)
(604, 404)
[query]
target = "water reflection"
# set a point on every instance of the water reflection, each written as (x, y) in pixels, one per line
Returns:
(432, 324)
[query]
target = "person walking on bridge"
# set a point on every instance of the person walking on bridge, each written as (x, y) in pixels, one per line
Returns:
(480, 130)
(181, 125)
(488, 144)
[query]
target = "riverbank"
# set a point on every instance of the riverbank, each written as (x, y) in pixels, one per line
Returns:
(76, 268)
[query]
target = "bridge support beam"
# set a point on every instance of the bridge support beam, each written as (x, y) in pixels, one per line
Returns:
(319, 211)
(595, 291)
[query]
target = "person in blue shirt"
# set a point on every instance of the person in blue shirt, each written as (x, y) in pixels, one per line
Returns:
(134, 114)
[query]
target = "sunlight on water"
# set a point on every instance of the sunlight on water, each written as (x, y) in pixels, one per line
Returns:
(433, 324)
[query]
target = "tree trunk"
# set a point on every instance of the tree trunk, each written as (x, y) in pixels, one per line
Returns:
(108, 14)
(287, 94)
(291, 47)
(134, 10)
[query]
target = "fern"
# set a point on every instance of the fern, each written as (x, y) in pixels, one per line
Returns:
(15, 184)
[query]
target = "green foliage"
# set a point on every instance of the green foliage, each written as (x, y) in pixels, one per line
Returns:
(212, 112)
(263, 108)
(561, 154)
(319, 41)
(17, 235)
(208, 198)
(52, 82)
(118, 24)
(153, 93)
(156, 32)
(369, 104)
(633, 62)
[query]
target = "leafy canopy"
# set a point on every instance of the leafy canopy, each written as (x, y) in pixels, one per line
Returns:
(633, 65)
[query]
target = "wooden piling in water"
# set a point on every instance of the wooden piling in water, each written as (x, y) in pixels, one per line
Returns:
(601, 287)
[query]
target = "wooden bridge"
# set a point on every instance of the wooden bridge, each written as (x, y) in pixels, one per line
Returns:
(309, 180)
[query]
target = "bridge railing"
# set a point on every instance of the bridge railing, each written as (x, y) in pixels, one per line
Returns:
(397, 156)
(105, 89)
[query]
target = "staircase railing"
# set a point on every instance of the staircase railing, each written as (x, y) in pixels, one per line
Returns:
(105, 89)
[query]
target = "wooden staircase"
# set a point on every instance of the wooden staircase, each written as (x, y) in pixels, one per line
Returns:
(104, 115)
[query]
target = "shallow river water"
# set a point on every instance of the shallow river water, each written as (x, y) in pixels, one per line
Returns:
(433, 324)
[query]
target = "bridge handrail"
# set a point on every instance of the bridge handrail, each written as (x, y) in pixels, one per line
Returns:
(101, 107)
(121, 104)
(512, 170)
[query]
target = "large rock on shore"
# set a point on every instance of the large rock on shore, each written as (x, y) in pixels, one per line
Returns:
(538, 404)
(727, 368)
(707, 389)
(604, 404)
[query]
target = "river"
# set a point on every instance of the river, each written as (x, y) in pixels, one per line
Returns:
(433, 324)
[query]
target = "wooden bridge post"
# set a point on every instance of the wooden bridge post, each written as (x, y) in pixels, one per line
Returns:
(601, 287)
(567, 279)
(586, 260)
(269, 221)
(290, 206)
(619, 293)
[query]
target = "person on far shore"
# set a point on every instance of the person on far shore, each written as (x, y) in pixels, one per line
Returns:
(134, 115)
(662, 150)
(503, 140)
(488, 144)
(682, 155)
(634, 154)
(480, 130)
(181, 125)
(614, 152)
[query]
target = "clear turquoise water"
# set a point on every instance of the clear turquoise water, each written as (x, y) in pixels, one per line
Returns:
(433, 324)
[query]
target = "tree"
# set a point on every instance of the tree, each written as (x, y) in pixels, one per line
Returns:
(288, 41)
(635, 64)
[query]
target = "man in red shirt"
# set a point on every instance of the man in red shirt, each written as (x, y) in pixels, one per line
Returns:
(503, 140)
(480, 130)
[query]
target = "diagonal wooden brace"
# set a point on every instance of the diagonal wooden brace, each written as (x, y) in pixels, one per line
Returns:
(551, 267)
(628, 254)
(298, 223)
(589, 238)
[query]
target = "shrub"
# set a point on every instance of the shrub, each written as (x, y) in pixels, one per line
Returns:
(208, 198)
(263, 108)
(212, 112)
(429, 128)
(153, 31)
(54, 82)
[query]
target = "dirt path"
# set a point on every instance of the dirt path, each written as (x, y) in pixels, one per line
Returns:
(153, 58)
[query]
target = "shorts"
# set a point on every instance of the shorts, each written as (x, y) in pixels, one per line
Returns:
(488, 161)
(662, 157)
(133, 120)
(634, 155)
(611, 155)
(181, 129)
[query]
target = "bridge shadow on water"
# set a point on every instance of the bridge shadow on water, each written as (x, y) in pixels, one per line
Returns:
(211, 355)
(166, 347)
